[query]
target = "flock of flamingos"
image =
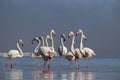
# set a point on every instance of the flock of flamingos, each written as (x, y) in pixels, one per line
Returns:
(47, 52)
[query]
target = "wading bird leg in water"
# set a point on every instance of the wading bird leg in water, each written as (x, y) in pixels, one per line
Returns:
(60, 61)
(48, 65)
(44, 65)
(70, 65)
(11, 63)
(38, 63)
(88, 60)
(77, 65)
(34, 63)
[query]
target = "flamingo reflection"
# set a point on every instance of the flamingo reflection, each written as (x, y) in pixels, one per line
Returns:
(14, 74)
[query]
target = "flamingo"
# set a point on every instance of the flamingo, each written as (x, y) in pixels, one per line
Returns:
(52, 52)
(15, 53)
(70, 55)
(35, 53)
(87, 52)
(45, 53)
(62, 50)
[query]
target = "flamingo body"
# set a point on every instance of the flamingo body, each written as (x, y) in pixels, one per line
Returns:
(88, 52)
(62, 50)
(13, 54)
(69, 56)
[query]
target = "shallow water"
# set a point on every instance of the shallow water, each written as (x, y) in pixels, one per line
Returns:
(99, 69)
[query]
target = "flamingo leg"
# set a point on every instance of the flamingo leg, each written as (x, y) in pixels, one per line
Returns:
(7, 64)
(88, 64)
(44, 66)
(11, 62)
(38, 62)
(34, 63)
(77, 65)
(60, 61)
(48, 65)
(70, 65)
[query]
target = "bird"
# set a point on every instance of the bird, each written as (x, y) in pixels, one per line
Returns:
(52, 52)
(70, 55)
(45, 53)
(15, 53)
(62, 50)
(87, 52)
(35, 53)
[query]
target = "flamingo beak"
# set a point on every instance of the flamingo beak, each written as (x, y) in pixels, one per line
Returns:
(64, 39)
(94, 54)
(22, 44)
(68, 36)
(76, 33)
(85, 37)
(33, 40)
(55, 34)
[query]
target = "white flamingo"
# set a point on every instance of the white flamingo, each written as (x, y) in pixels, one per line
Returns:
(70, 55)
(35, 53)
(62, 50)
(87, 52)
(52, 52)
(45, 53)
(15, 53)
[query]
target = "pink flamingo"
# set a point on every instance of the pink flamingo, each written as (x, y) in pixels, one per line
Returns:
(36, 54)
(62, 50)
(70, 55)
(87, 52)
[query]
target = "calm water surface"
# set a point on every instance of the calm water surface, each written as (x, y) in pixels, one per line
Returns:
(99, 69)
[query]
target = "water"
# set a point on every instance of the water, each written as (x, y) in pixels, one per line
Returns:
(99, 69)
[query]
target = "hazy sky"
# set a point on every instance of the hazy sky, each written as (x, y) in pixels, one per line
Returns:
(99, 19)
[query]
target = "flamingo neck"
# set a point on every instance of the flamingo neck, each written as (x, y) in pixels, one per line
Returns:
(52, 40)
(47, 42)
(20, 50)
(42, 41)
(81, 43)
(36, 48)
(61, 40)
(72, 44)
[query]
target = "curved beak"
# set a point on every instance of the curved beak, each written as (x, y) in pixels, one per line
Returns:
(76, 33)
(55, 34)
(84, 37)
(64, 39)
(33, 40)
(23, 44)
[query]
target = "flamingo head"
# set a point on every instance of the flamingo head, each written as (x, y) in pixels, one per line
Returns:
(94, 54)
(21, 42)
(48, 36)
(84, 37)
(53, 31)
(63, 36)
(79, 31)
(70, 34)
(35, 39)
(41, 38)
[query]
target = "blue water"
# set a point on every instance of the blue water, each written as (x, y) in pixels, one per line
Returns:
(99, 69)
